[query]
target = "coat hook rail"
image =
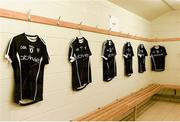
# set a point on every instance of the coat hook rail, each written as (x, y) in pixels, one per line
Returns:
(49, 21)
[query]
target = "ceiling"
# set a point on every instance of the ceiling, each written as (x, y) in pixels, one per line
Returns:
(148, 9)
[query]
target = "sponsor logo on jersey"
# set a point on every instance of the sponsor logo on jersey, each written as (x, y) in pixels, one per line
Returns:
(23, 47)
(31, 48)
(129, 50)
(82, 56)
(29, 57)
(158, 54)
(38, 50)
(111, 55)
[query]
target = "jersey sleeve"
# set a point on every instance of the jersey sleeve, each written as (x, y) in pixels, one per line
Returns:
(165, 53)
(124, 51)
(71, 57)
(132, 52)
(104, 54)
(115, 50)
(145, 52)
(151, 52)
(11, 51)
(138, 52)
(45, 56)
(88, 50)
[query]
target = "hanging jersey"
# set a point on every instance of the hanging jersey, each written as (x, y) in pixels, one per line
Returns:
(142, 53)
(128, 58)
(109, 61)
(158, 54)
(79, 54)
(28, 55)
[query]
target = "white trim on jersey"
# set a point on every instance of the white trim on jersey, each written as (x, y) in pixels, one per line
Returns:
(7, 53)
(140, 55)
(46, 47)
(43, 41)
(107, 65)
(104, 57)
(78, 73)
(8, 58)
(82, 86)
(154, 62)
(35, 94)
(103, 50)
(72, 58)
(125, 56)
(20, 75)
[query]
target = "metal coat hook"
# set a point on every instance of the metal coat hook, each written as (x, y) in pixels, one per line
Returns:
(129, 35)
(58, 22)
(29, 15)
(80, 25)
(96, 26)
(109, 31)
(80, 34)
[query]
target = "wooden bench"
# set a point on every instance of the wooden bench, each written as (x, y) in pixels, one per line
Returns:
(116, 109)
(168, 93)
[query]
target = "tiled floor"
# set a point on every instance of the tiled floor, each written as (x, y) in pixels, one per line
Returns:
(162, 111)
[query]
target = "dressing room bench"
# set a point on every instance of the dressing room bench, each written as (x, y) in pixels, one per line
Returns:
(118, 109)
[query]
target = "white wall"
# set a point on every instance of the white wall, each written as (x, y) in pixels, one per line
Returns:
(167, 25)
(60, 102)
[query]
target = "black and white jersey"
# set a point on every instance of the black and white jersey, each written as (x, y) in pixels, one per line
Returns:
(128, 58)
(79, 54)
(142, 53)
(109, 61)
(158, 54)
(28, 56)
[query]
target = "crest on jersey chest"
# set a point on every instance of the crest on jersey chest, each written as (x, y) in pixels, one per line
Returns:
(77, 49)
(31, 48)
(141, 51)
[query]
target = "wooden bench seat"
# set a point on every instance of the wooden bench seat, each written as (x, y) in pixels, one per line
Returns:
(119, 107)
(170, 86)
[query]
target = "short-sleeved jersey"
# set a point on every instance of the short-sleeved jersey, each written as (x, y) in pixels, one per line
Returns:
(79, 56)
(158, 54)
(28, 56)
(141, 53)
(128, 58)
(109, 61)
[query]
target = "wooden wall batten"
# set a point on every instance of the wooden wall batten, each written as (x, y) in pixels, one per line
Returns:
(49, 21)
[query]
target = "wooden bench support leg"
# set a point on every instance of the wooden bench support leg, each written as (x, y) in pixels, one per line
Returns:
(134, 113)
(175, 92)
